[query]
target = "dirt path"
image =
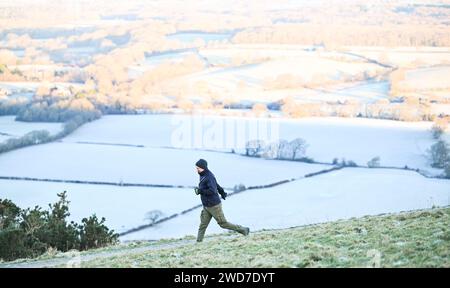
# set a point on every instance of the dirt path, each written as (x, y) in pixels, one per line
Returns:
(75, 259)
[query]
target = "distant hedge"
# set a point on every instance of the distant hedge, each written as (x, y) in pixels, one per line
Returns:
(28, 233)
(43, 136)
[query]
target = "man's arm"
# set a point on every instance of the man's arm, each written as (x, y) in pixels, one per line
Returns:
(221, 191)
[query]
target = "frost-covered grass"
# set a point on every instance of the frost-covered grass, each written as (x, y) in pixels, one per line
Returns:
(414, 239)
(53, 254)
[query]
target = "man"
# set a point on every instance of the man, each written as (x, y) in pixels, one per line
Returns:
(212, 206)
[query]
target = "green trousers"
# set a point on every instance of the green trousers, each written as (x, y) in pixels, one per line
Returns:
(216, 213)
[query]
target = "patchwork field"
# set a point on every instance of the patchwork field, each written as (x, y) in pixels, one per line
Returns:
(396, 143)
(144, 165)
(352, 192)
(145, 149)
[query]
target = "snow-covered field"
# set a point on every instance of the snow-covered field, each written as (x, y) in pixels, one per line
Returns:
(263, 64)
(396, 143)
(366, 91)
(343, 194)
(9, 128)
(200, 36)
(155, 159)
(144, 165)
(153, 61)
(259, 72)
(28, 86)
(428, 78)
(306, 67)
(401, 56)
(123, 207)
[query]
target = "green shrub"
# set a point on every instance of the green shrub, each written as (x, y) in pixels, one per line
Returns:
(9, 213)
(94, 233)
(31, 232)
(12, 244)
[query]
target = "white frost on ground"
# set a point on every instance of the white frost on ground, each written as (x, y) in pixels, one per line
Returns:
(342, 194)
(144, 165)
(358, 139)
(428, 78)
(403, 56)
(16, 129)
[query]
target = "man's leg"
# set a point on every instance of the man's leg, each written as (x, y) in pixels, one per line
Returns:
(217, 213)
(205, 218)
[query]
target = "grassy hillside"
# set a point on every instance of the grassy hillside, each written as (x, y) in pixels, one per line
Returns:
(409, 239)
(412, 239)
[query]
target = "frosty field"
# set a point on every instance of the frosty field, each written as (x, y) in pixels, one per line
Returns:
(144, 165)
(396, 143)
(9, 128)
(123, 207)
(146, 149)
(352, 192)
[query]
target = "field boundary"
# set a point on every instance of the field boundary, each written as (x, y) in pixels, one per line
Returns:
(145, 226)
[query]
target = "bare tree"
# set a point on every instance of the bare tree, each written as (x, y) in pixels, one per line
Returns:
(153, 216)
(298, 147)
(439, 154)
(438, 128)
(254, 148)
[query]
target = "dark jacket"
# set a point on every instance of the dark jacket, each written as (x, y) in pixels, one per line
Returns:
(209, 189)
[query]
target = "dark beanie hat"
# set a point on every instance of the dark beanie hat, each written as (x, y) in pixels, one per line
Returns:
(202, 164)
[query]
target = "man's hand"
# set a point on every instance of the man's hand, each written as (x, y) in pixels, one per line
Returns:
(196, 190)
(224, 195)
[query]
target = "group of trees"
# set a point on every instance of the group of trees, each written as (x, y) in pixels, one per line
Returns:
(72, 111)
(374, 162)
(43, 136)
(62, 112)
(31, 138)
(26, 233)
(294, 150)
(409, 91)
(440, 156)
(292, 81)
(56, 104)
(349, 34)
(12, 106)
(382, 109)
